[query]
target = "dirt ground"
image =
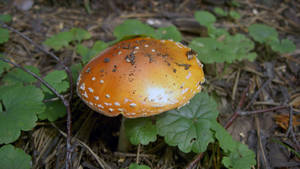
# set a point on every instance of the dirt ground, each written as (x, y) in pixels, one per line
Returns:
(97, 136)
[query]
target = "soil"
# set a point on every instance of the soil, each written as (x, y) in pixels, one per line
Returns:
(269, 82)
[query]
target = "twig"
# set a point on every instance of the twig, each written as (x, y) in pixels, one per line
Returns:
(236, 113)
(195, 161)
(100, 161)
(35, 76)
(257, 93)
(290, 131)
(138, 154)
(66, 102)
(263, 110)
(260, 143)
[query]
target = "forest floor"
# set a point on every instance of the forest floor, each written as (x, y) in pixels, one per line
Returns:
(98, 134)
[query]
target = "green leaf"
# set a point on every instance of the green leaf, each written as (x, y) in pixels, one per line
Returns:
(219, 11)
(21, 104)
(225, 139)
(132, 27)
(234, 14)
(18, 76)
(59, 40)
(87, 54)
(237, 155)
(57, 79)
(140, 130)
(263, 33)
(285, 46)
(170, 32)
(224, 49)
(75, 69)
(5, 18)
(241, 157)
(189, 127)
(80, 34)
(14, 158)
(205, 18)
(207, 49)
(3, 66)
(4, 35)
(136, 166)
(54, 110)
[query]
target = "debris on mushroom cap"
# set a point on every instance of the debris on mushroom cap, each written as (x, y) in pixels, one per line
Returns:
(140, 77)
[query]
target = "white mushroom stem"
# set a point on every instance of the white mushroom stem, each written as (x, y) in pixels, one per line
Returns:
(123, 144)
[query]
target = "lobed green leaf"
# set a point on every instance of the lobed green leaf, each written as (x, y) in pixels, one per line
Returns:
(225, 49)
(4, 35)
(132, 27)
(167, 33)
(136, 166)
(80, 34)
(5, 18)
(205, 18)
(189, 127)
(18, 76)
(54, 110)
(87, 54)
(3, 66)
(262, 33)
(140, 130)
(58, 80)
(219, 11)
(14, 158)
(21, 104)
(59, 40)
(285, 46)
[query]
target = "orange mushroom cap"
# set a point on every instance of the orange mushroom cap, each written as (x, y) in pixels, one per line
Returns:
(140, 77)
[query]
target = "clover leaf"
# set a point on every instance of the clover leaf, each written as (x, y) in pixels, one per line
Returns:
(14, 158)
(140, 131)
(136, 166)
(132, 27)
(205, 18)
(167, 33)
(57, 79)
(4, 35)
(18, 76)
(262, 33)
(190, 126)
(20, 106)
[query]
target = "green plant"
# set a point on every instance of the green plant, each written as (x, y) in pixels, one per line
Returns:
(232, 14)
(269, 36)
(136, 166)
(220, 46)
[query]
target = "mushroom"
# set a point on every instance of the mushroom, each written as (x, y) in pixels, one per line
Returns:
(140, 77)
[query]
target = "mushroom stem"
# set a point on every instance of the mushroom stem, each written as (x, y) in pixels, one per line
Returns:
(124, 144)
